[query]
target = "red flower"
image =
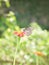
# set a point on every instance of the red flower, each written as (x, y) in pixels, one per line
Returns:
(20, 34)
(38, 53)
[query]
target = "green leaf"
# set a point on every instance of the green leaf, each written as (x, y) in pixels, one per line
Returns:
(7, 3)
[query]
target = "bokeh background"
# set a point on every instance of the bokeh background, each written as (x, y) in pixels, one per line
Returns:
(31, 17)
(29, 11)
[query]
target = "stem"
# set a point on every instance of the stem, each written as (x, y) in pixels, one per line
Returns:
(37, 63)
(14, 60)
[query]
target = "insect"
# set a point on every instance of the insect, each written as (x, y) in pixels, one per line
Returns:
(28, 30)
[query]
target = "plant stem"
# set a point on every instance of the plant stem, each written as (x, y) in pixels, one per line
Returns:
(37, 60)
(14, 60)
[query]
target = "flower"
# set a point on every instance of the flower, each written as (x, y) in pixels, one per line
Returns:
(38, 53)
(20, 34)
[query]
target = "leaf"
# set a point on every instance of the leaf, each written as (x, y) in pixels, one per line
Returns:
(7, 3)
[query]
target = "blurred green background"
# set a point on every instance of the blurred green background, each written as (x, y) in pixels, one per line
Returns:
(33, 17)
(27, 11)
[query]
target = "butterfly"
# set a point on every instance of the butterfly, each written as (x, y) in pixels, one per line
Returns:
(28, 30)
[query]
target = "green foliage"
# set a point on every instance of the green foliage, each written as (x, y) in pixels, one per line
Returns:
(25, 46)
(6, 2)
